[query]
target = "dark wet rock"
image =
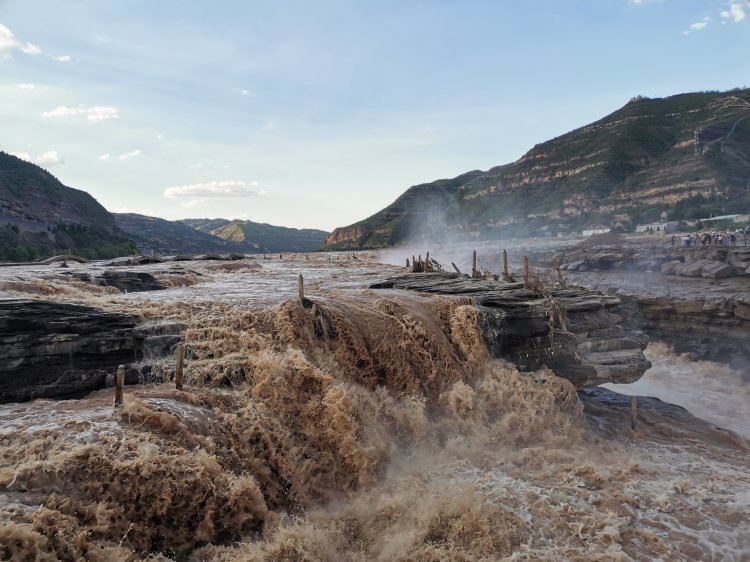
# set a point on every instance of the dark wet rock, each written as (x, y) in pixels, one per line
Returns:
(53, 350)
(136, 260)
(589, 347)
(126, 281)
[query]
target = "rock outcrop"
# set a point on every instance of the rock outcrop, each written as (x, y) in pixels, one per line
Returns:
(126, 281)
(710, 262)
(53, 350)
(576, 332)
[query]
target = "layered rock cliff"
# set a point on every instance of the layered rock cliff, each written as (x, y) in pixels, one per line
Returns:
(686, 155)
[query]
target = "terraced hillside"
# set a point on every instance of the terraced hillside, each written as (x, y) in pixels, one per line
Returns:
(688, 155)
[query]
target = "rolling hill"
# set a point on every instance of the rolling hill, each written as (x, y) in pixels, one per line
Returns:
(191, 236)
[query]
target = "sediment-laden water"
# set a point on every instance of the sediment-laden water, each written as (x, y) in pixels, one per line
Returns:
(369, 426)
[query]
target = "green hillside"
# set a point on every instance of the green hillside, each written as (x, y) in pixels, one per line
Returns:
(40, 216)
(687, 155)
(268, 238)
(171, 237)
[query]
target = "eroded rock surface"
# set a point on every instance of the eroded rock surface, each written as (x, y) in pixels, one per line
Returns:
(587, 344)
(54, 350)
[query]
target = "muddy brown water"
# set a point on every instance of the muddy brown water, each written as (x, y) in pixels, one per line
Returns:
(369, 426)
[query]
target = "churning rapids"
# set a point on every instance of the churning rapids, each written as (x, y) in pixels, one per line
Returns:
(369, 426)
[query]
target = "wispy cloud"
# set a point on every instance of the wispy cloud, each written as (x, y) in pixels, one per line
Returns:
(27, 86)
(130, 155)
(96, 113)
(697, 26)
(736, 11)
(8, 43)
(61, 58)
(49, 158)
(213, 189)
(106, 156)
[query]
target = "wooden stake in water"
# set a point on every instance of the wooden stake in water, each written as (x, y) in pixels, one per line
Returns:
(456, 268)
(301, 287)
(179, 362)
(633, 411)
(505, 263)
(526, 270)
(119, 382)
(474, 264)
(427, 262)
(407, 262)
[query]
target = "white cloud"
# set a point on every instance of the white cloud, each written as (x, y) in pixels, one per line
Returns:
(106, 156)
(736, 11)
(8, 42)
(96, 113)
(697, 26)
(245, 92)
(49, 158)
(147, 212)
(27, 86)
(61, 58)
(213, 189)
(130, 155)
(193, 203)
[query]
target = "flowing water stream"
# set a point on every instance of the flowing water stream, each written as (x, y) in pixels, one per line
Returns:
(369, 426)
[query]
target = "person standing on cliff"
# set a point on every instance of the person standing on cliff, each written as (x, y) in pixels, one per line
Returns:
(674, 238)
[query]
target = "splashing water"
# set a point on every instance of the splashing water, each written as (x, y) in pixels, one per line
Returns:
(365, 427)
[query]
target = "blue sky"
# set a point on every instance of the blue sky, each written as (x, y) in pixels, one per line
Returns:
(318, 114)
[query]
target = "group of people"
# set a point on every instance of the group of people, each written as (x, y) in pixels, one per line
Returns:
(728, 238)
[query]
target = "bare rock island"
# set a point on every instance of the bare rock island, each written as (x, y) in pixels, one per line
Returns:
(576, 332)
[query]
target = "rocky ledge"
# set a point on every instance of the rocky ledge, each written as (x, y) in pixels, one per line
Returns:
(710, 262)
(576, 332)
(53, 350)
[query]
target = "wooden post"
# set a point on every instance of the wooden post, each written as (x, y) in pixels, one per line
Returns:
(456, 268)
(179, 362)
(505, 263)
(633, 411)
(526, 270)
(427, 262)
(301, 287)
(474, 264)
(119, 381)
(556, 267)
(407, 262)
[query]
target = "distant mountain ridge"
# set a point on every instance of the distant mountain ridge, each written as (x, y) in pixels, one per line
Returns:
(261, 237)
(39, 216)
(191, 236)
(686, 155)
